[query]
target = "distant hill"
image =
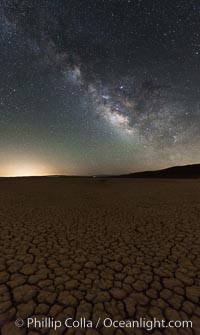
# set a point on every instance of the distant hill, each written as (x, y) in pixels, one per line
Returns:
(186, 171)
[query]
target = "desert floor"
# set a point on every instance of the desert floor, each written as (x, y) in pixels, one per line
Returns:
(119, 249)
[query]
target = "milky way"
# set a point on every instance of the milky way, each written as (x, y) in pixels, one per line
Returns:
(99, 86)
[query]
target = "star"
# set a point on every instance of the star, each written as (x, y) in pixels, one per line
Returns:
(81, 80)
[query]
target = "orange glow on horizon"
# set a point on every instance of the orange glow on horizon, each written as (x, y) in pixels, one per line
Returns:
(26, 170)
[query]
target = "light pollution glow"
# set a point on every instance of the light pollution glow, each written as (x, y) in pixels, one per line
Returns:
(20, 169)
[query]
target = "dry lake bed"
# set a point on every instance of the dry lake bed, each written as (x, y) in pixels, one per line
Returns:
(89, 250)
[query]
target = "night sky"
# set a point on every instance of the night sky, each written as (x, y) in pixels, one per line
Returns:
(98, 86)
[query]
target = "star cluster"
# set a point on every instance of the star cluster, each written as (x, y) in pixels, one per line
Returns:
(104, 86)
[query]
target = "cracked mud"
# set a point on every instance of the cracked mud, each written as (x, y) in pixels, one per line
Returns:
(123, 249)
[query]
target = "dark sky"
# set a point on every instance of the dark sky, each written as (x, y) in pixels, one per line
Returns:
(100, 86)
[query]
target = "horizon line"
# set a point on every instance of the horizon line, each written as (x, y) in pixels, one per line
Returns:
(99, 175)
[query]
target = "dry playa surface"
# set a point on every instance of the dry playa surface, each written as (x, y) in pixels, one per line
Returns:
(99, 248)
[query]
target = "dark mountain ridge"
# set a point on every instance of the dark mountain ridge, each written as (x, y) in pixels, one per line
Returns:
(185, 171)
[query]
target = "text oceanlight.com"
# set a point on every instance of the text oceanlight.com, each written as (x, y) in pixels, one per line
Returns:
(147, 324)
